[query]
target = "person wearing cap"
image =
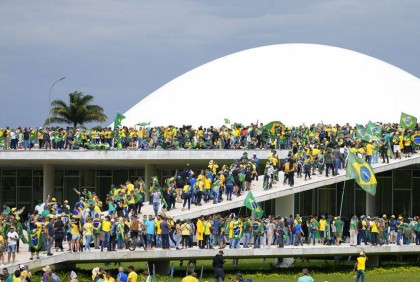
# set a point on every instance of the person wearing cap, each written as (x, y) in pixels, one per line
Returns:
(393, 229)
(218, 261)
(305, 276)
(12, 239)
(360, 266)
(361, 231)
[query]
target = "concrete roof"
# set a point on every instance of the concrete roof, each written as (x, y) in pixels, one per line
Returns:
(131, 159)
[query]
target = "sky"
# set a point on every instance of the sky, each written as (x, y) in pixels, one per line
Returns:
(121, 51)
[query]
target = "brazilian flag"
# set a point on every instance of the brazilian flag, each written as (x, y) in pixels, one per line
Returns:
(374, 129)
(118, 119)
(35, 239)
(271, 127)
(361, 171)
(408, 121)
(416, 139)
(251, 204)
(362, 133)
(237, 230)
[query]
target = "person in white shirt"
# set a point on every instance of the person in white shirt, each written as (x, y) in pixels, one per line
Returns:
(12, 238)
(41, 206)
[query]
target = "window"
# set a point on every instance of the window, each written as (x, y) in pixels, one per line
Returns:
(402, 202)
(402, 179)
(327, 201)
(24, 178)
(88, 178)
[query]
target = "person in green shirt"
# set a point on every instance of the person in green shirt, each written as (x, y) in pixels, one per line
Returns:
(313, 226)
(305, 277)
(7, 277)
(338, 230)
(417, 231)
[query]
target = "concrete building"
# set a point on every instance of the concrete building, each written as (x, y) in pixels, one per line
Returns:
(261, 84)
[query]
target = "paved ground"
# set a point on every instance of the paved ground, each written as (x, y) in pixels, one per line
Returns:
(278, 190)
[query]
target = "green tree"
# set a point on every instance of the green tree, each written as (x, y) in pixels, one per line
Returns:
(78, 112)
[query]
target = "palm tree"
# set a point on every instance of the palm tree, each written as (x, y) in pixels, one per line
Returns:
(78, 112)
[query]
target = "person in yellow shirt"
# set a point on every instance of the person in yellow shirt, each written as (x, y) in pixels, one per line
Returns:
(75, 235)
(158, 232)
(374, 232)
(109, 278)
(106, 232)
(360, 266)
(207, 187)
(207, 232)
(200, 232)
(321, 226)
(87, 232)
(132, 275)
(190, 277)
(185, 232)
(369, 152)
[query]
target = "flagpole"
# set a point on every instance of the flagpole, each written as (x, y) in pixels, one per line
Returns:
(342, 198)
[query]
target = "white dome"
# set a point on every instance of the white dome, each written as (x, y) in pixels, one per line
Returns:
(292, 83)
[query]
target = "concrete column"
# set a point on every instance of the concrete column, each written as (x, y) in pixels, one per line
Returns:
(48, 181)
(149, 171)
(284, 206)
(370, 205)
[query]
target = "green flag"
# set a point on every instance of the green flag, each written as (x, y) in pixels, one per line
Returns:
(118, 119)
(227, 121)
(143, 123)
(407, 121)
(362, 173)
(362, 133)
(32, 137)
(271, 127)
(251, 204)
(374, 129)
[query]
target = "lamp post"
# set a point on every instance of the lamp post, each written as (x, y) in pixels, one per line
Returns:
(49, 98)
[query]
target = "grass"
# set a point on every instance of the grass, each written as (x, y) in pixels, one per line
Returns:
(265, 271)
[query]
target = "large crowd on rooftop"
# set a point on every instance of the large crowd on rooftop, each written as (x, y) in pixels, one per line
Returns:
(235, 136)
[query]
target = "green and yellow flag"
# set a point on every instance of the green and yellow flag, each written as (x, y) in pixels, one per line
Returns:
(143, 123)
(362, 173)
(416, 139)
(362, 133)
(407, 121)
(35, 239)
(251, 204)
(118, 119)
(271, 127)
(374, 129)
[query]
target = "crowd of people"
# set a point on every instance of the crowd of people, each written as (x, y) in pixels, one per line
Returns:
(232, 136)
